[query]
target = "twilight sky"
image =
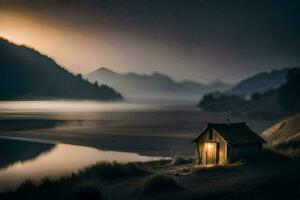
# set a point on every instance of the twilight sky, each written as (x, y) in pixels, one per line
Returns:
(203, 40)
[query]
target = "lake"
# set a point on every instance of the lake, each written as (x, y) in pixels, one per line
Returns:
(148, 129)
(23, 159)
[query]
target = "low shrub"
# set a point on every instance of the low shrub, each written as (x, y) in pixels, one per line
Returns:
(180, 160)
(268, 156)
(158, 183)
(81, 185)
(290, 148)
(114, 170)
(88, 191)
(27, 185)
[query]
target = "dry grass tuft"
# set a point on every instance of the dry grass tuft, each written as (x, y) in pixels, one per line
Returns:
(112, 170)
(181, 160)
(159, 183)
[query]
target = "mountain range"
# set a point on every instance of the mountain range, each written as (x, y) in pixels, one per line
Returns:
(27, 74)
(153, 86)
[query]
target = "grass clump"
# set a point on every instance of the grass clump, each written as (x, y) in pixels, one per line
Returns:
(88, 191)
(269, 156)
(26, 190)
(159, 183)
(27, 185)
(289, 148)
(82, 185)
(181, 160)
(112, 170)
(155, 163)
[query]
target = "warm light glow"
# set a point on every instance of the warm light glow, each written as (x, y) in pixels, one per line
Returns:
(72, 52)
(210, 151)
(83, 50)
(209, 146)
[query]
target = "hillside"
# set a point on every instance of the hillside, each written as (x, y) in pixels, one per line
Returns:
(286, 129)
(285, 135)
(27, 74)
(261, 82)
(156, 85)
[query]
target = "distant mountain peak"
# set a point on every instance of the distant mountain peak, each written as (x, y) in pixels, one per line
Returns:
(156, 73)
(218, 83)
(105, 69)
(161, 76)
(261, 82)
(155, 85)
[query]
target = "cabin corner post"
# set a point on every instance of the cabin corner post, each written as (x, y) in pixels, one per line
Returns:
(197, 153)
(218, 153)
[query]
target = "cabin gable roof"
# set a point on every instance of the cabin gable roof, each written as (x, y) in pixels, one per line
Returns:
(234, 133)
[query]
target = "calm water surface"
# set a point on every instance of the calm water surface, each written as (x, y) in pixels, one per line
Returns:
(148, 129)
(25, 159)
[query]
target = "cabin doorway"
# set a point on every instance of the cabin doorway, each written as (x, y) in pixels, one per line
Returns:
(210, 153)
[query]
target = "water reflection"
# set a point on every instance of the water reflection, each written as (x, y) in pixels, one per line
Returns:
(13, 151)
(51, 160)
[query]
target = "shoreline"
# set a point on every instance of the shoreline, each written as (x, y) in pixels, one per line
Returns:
(32, 140)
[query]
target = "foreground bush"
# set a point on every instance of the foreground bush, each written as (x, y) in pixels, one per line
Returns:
(88, 191)
(158, 183)
(268, 156)
(180, 160)
(84, 185)
(114, 170)
(290, 148)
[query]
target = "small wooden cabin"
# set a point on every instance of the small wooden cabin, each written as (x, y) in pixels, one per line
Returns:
(220, 143)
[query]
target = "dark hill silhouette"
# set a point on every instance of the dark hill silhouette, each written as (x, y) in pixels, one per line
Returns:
(289, 97)
(261, 82)
(155, 86)
(283, 100)
(27, 74)
(19, 151)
